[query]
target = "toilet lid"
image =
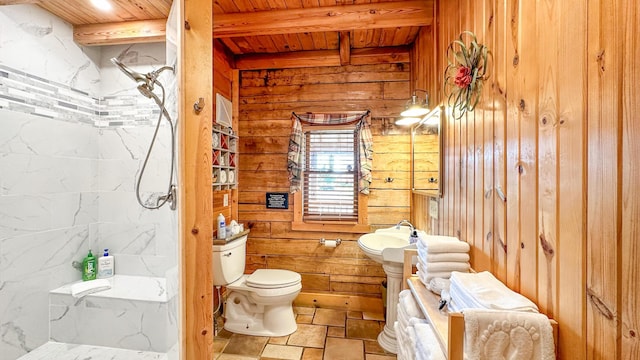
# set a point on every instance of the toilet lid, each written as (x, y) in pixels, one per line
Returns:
(272, 278)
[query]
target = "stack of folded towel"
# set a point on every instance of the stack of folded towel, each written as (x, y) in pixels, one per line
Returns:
(484, 291)
(499, 323)
(409, 315)
(438, 256)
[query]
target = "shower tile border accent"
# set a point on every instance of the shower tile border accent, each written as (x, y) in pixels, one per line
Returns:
(27, 93)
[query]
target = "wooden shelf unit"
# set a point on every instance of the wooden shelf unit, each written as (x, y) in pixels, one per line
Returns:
(448, 326)
(224, 158)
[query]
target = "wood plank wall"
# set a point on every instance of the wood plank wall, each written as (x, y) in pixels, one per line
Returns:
(267, 99)
(556, 132)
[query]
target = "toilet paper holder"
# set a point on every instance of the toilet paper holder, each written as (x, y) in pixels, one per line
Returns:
(338, 241)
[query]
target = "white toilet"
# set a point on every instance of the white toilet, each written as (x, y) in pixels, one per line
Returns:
(259, 304)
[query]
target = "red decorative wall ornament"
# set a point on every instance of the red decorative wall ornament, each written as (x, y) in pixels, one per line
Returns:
(465, 73)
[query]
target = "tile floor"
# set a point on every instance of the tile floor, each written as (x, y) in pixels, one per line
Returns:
(323, 334)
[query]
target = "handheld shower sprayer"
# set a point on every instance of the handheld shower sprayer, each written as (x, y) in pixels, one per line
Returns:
(146, 85)
(146, 82)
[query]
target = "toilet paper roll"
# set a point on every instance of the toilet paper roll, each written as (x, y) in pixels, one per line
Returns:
(330, 243)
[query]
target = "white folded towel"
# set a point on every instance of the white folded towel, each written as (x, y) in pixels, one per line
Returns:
(426, 277)
(403, 318)
(483, 290)
(507, 335)
(444, 266)
(83, 288)
(443, 244)
(410, 307)
(444, 257)
(405, 293)
(427, 343)
(414, 320)
(401, 342)
(410, 351)
(440, 257)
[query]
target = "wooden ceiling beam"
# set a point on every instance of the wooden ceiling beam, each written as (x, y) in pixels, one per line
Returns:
(129, 32)
(327, 18)
(304, 59)
(345, 48)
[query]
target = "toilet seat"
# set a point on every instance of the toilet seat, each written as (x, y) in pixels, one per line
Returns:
(272, 279)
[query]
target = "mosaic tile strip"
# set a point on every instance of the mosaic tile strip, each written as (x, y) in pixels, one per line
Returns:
(27, 93)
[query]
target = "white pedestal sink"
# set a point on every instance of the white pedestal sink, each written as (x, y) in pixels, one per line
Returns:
(386, 246)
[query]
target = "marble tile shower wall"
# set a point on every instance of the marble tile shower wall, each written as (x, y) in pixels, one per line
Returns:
(71, 144)
(61, 140)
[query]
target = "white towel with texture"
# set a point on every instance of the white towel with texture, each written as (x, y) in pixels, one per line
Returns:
(518, 335)
(402, 342)
(443, 244)
(410, 306)
(483, 290)
(427, 345)
(410, 351)
(83, 288)
(440, 257)
(426, 277)
(444, 266)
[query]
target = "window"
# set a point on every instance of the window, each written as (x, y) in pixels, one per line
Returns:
(330, 180)
(329, 199)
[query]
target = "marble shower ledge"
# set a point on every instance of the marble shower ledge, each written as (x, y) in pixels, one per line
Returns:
(141, 288)
(60, 351)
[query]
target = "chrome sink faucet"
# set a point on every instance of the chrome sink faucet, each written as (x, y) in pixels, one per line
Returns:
(413, 234)
(405, 221)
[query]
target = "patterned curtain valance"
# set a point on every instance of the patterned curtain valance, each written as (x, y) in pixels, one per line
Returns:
(365, 153)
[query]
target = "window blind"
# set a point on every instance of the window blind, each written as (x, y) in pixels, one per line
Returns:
(330, 187)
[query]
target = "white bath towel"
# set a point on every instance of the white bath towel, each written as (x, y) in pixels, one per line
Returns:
(403, 318)
(83, 288)
(414, 320)
(402, 343)
(427, 344)
(444, 257)
(482, 290)
(443, 244)
(410, 351)
(426, 277)
(507, 335)
(444, 266)
(440, 257)
(409, 304)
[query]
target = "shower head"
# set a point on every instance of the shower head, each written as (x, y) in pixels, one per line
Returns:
(145, 82)
(147, 91)
(133, 75)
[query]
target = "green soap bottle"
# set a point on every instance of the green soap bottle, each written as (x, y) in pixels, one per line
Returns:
(89, 267)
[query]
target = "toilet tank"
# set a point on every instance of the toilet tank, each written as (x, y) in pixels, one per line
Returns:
(229, 261)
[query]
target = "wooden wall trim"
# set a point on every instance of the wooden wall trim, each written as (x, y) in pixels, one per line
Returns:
(196, 220)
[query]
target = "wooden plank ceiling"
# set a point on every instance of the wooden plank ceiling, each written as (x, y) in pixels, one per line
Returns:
(250, 27)
(129, 21)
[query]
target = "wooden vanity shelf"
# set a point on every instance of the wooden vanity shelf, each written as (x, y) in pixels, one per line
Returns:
(448, 327)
